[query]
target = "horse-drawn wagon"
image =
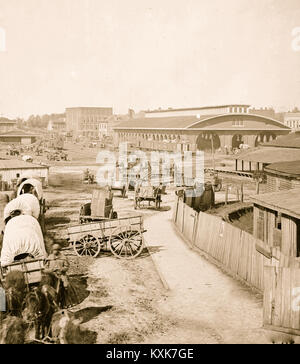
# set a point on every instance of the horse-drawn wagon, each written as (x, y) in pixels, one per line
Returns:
(149, 194)
(100, 228)
(123, 236)
(119, 187)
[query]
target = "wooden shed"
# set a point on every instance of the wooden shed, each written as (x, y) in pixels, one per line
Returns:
(13, 169)
(276, 220)
(283, 176)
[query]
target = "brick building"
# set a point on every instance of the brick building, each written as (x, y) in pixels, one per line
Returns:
(85, 121)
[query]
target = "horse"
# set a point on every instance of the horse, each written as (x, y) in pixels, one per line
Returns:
(15, 287)
(38, 311)
(13, 331)
(14, 302)
(52, 286)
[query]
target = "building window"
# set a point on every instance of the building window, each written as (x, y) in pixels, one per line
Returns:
(237, 122)
(278, 220)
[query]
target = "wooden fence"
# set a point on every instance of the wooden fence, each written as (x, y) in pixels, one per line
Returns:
(282, 299)
(263, 267)
(237, 251)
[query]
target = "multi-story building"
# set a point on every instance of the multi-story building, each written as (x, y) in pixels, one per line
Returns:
(292, 120)
(85, 121)
(57, 125)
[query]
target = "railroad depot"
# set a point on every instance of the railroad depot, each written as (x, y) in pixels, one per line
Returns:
(219, 127)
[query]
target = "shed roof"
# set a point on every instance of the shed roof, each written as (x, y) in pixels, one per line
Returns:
(193, 121)
(290, 169)
(287, 202)
(18, 133)
(6, 164)
(291, 140)
(171, 122)
(270, 155)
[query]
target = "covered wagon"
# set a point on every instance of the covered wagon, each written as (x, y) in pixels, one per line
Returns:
(23, 249)
(26, 204)
(34, 187)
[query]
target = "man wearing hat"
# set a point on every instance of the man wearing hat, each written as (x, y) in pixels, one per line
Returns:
(57, 264)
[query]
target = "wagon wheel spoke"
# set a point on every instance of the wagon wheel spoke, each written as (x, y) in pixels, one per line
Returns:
(126, 243)
(115, 247)
(131, 251)
(120, 251)
(88, 245)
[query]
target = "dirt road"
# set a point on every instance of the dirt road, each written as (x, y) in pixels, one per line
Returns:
(208, 306)
(127, 302)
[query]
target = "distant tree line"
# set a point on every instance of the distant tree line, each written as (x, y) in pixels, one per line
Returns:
(37, 121)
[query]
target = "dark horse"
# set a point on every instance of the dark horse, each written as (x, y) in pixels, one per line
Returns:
(14, 302)
(38, 311)
(53, 288)
(15, 288)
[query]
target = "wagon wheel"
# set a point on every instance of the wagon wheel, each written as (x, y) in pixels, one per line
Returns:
(89, 245)
(126, 242)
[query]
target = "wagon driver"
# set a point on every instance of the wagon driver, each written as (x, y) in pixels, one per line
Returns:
(58, 264)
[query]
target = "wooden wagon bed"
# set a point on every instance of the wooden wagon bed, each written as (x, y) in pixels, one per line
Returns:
(123, 236)
(32, 270)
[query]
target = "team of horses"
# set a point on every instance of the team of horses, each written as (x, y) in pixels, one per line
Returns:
(35, 306)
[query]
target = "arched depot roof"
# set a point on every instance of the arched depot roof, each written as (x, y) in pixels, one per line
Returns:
(204, 122)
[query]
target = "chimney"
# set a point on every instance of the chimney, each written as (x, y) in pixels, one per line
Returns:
(131, 113)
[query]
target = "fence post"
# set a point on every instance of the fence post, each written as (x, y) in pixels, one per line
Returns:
(237, 193)
(226, 194)
(257, 187)
(242, 192)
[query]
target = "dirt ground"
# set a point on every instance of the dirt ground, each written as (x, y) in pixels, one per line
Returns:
(127, 301)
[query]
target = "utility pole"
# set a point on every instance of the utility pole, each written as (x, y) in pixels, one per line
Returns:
(213, 151)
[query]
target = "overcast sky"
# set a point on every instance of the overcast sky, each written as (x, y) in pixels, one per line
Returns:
(144, 54)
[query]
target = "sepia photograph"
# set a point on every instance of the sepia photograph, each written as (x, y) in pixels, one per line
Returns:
(149, 174)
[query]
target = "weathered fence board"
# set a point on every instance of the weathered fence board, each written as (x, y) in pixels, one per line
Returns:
(180, 214)
(190, 217)
(238, 251)
(281, 299)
